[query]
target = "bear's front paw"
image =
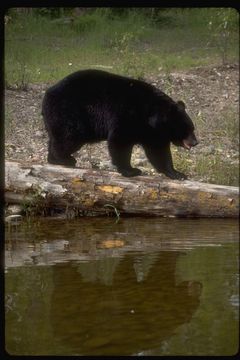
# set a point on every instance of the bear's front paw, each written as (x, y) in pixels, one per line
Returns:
(175, 175)
(130, 172)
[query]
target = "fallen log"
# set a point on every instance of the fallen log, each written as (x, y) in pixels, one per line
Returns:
(50, 188)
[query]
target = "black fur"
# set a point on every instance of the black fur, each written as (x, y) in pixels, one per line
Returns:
(91, 105)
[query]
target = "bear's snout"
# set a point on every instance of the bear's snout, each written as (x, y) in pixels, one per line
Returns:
(190, 141)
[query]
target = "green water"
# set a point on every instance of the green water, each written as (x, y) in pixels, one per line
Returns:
(136, 287)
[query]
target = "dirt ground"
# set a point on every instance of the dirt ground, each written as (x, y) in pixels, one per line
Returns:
(210, 94)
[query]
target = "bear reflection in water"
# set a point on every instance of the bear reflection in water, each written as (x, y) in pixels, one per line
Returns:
(125, 315)
(92, 105)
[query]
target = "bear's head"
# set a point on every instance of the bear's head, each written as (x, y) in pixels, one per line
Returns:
(181, 128)
(172, 120)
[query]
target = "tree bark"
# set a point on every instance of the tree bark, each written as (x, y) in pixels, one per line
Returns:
(50, 188)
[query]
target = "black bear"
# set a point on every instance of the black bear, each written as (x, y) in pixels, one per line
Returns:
(92, 105)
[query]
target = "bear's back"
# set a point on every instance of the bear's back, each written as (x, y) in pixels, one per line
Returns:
(101, 83)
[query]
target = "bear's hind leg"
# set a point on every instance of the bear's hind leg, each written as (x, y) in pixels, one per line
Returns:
(59, 154)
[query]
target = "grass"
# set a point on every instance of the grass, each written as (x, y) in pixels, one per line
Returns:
(39, 49)
(221, 172)
(216, 163)
(211, 168)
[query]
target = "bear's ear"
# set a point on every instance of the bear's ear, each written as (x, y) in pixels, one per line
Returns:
(181, 105)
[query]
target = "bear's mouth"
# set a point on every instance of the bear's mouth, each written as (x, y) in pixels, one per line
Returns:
(186, 145)
(189, 142)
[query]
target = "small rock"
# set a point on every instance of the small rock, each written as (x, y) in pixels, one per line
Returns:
(39, 133)
(140, 162)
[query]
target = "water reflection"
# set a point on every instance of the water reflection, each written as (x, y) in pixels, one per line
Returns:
(49, 242)
(93, 287)
(128, 315)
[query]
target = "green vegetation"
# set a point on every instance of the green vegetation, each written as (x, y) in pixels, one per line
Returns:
(218, 160)
(117, 213)
(45, 44)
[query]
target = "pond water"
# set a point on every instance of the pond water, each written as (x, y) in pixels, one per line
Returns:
(139, 286)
